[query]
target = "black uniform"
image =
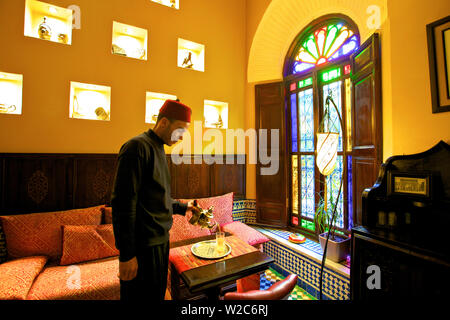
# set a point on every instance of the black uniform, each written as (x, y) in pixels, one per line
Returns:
(142, 210)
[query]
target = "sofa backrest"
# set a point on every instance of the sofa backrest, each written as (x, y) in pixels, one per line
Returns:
(40, 233)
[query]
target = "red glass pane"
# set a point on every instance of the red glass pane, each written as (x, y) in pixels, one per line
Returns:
(347, 69)
(293, 86)
(295, 221)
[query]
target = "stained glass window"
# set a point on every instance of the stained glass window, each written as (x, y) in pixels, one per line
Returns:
(294, 122)
(328, 47)
(307, 186)
(306, 115)
(295, 184)
(334, 89)
(326, 44)
(333, 183)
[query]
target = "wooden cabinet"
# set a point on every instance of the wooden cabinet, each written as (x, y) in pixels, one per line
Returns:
(404, 234)
(408, 267)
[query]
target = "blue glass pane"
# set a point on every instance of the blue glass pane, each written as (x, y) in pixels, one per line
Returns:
(306, 115)
(333, 181)
(350, 192)
(294, 122)
(350, 46)
(302, 66)
(335, 89)
(307, 186)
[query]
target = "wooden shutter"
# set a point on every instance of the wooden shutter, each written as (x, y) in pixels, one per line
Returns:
(271, 197)
(367, 120)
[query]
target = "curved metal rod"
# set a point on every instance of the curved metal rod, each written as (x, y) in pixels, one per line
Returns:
(344, 164)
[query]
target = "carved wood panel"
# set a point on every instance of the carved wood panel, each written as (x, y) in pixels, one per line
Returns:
(50, 182)
(94, 177)
(39, 184)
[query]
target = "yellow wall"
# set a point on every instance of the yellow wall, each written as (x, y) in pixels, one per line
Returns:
(48, 68)
(414, 127)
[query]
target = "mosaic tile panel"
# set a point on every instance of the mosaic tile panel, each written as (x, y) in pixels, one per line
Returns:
(270, 276)
(308, 244)
(335, 286)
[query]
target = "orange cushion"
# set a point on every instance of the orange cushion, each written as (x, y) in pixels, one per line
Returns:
(94, 280)
(40, 233)
(17, 276)
(84, 243)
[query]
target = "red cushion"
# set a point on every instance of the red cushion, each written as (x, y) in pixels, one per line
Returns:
(223, 207)
(17, 276)
(40, 233)
(182, 229)
(84, 243)
(246, 233)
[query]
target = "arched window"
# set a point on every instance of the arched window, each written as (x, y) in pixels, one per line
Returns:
(318, 65)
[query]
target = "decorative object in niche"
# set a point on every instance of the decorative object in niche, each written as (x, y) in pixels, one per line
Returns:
(129, 41)
(191, 55)
(187, 62)
(10, 93)
(154, 102)
(89, 101)
(45, 32)
(175, 4)
(48, 22)
(216, 114)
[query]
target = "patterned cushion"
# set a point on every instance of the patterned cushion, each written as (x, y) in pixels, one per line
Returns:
(107, 215)
(17, 276)
(3, 251)
(40, 233)
(95, 280)
(223, 207)
(246, 233)
(84, 243)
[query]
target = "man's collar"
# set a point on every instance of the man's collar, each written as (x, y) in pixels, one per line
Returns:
(155, 137)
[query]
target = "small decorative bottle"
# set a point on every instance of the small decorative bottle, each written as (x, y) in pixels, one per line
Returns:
(45, 32)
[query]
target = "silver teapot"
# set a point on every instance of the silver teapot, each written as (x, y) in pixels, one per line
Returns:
(202, 217)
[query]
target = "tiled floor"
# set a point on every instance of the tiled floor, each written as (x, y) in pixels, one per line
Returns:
(270, 276)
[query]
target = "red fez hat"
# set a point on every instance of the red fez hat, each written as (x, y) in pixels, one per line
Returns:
(176, 111)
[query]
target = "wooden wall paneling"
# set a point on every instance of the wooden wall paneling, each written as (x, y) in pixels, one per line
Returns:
(50, 182)
(35, 184)
(227, 178)
(192, 180)
(93, 179)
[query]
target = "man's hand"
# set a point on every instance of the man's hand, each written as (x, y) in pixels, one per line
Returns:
(191, 204)
(128, 269)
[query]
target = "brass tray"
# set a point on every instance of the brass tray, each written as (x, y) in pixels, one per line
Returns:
(207, 250)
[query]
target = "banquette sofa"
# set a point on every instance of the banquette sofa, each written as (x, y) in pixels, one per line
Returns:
(70, 255)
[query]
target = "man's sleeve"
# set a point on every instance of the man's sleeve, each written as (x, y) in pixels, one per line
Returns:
(179, 208)
(123, 202)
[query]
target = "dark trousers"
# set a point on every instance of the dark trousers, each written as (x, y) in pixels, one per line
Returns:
(151, 280)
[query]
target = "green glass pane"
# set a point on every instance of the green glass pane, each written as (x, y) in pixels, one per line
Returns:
(331, 75)
(305, 82)
(308, 225)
